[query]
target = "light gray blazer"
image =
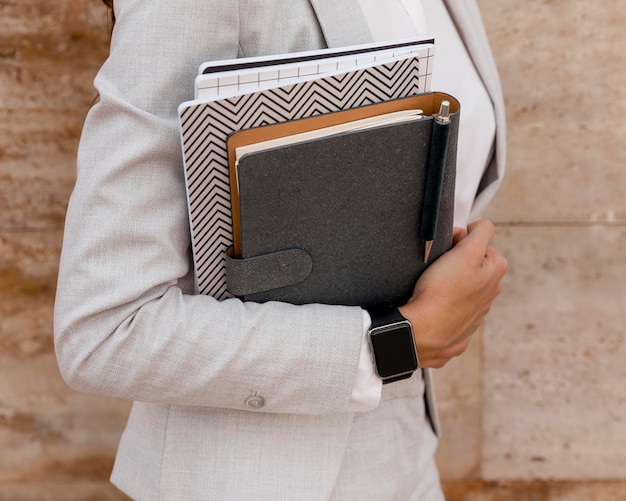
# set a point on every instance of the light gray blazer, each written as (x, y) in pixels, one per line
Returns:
(226, 394)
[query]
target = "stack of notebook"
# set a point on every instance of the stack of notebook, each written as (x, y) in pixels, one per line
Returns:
(306, 174)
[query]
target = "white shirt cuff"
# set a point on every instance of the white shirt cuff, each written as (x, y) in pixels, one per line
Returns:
(368, 387)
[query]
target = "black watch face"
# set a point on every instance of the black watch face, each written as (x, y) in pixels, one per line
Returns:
(394, 349)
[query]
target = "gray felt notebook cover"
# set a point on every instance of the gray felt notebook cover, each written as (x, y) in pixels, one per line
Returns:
(336, 220)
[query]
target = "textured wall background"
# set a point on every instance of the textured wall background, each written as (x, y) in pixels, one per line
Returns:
(536, 409)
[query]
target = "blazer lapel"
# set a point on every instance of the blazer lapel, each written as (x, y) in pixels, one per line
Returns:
(342, 22)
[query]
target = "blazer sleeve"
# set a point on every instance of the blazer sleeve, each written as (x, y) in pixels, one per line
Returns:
(126, 323)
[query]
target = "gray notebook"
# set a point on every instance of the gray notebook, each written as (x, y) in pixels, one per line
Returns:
(336, 220)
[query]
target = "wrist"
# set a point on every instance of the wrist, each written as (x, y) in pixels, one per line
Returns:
(418, 315)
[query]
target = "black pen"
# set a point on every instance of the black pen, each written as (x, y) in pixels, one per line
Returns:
(434, 176)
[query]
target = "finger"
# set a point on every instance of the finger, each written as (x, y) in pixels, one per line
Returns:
(480, 233)
(494, 260)
(458, 234)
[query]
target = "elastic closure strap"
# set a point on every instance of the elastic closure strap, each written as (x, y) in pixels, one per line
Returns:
(266, 271)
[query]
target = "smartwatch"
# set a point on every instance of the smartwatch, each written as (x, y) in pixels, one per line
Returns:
(392, 344)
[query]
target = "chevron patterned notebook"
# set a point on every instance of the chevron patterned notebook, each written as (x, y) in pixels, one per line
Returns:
(206, 125)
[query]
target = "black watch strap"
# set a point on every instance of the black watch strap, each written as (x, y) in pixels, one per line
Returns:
(384, 314)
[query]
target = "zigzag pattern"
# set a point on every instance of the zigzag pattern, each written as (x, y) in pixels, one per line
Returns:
(205, 128)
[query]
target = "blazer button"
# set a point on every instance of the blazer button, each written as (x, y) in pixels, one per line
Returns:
(255, 402)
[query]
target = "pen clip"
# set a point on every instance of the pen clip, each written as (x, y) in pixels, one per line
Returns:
(443, 117)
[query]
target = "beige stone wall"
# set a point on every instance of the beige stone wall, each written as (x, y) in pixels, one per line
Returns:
(537, 407)
(542, 395)
(55, 444)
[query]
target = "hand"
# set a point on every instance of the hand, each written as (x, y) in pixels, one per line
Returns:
(454, 294)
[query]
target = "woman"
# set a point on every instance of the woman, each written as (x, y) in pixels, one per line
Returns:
(239, 400)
